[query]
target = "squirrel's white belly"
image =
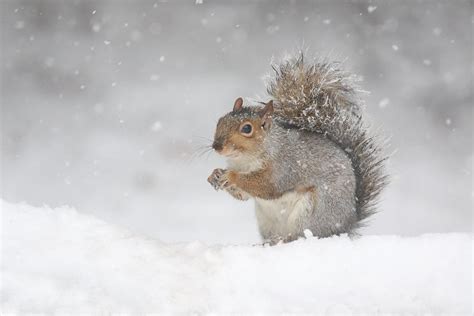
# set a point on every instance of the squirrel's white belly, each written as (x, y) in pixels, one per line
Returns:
(284, 216)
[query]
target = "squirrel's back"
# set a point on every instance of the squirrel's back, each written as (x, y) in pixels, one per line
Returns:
(321, 98)
(304, 159)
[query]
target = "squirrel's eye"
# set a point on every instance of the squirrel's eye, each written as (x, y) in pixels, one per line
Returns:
(246, 129)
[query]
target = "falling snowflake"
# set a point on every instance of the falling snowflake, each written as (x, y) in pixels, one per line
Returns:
(384, 102)
(437, 31)
(96, 27)
(19, 25)
(156, 126)
(371, 8)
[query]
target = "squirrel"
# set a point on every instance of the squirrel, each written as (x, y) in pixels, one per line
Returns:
(305, 156)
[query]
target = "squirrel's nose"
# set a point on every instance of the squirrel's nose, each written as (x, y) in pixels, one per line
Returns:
(217, 146)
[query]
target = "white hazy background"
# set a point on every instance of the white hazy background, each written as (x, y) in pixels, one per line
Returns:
(105, 103)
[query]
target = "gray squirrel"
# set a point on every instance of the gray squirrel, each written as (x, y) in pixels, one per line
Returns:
(305, 156)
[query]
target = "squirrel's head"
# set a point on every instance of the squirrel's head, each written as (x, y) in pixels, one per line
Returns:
(242, 131)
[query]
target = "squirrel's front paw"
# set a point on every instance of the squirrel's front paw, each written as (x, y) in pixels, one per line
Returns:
(218, 179)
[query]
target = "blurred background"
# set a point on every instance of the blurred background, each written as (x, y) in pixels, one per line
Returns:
(104, 104)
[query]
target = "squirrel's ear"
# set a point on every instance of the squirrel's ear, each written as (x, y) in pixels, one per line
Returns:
(266, 114)
(238, 104)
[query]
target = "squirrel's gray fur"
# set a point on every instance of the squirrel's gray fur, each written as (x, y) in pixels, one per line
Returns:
(322, 98)
(305, 159)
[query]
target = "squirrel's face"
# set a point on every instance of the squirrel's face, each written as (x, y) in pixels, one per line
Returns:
(242, 131)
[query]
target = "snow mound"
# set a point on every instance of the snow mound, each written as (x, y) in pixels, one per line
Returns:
(58, 260)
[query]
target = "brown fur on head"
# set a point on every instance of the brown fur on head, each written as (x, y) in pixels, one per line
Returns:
(242, 131)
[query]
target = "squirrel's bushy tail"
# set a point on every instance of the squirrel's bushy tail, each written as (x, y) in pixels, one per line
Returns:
(321, 97)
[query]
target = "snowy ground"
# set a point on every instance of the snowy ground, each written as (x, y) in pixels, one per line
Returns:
(58, 260)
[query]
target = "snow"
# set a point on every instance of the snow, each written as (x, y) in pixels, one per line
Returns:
(384, 102)
(20, 25)
(371, 8)
(96, 27)
(62, 261)
(437, 31)
(154, 77)
(157, 126)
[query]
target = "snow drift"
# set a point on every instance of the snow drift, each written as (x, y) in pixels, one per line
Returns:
(58, 260)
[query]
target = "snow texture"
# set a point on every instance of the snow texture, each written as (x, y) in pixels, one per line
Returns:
(62, 261)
